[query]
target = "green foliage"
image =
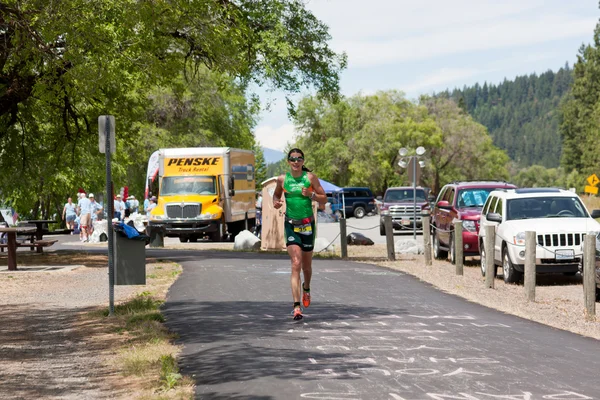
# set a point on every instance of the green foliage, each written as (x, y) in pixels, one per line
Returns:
(169, 372)
(522, 116)
(580, 113)
(173, 73)
(540, 176)
(355, 141)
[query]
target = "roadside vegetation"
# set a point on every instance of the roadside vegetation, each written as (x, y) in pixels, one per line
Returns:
(144, 355)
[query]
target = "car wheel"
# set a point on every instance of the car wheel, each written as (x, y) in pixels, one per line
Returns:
(511, 275)
(382, 229)
(482, 261)
(437, 252)
(183, 239)
(452, 250)
(193, 239)
(359, 212)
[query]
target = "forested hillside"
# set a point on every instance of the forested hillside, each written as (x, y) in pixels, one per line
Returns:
(522, 116)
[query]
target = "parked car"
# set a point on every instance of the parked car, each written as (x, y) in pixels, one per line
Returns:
(399, 202)
(559, 219)
(460, 201)
(358, 201)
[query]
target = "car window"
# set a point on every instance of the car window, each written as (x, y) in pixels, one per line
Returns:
(545, 207)
(404, 194)
(498, 208)
(493, 204)
(486, 206)
(473, 197)
(451, 196)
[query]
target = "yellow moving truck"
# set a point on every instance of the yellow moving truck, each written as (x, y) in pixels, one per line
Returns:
(204, 191)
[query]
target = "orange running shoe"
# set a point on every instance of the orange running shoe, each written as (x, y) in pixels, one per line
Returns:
(297, 313)
(305, 297)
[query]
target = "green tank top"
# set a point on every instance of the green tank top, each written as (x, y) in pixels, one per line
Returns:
(297, 205)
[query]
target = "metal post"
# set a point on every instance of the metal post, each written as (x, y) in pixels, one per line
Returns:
(529, 279)
(389, 237)
(414, 160)
(109, 228)
(490, 267)
(343, 239)
(427, 238)
(458, 247)
(589, 283)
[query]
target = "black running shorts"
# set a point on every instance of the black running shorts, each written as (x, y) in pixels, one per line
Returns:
(300, 232)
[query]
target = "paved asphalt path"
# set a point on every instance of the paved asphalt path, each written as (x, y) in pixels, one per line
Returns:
(371, 333)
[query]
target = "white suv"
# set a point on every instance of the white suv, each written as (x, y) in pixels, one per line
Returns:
(559, 219)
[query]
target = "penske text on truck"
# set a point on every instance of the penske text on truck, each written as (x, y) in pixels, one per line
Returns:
(203, 192)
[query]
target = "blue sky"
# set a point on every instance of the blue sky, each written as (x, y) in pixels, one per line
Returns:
(427, 46)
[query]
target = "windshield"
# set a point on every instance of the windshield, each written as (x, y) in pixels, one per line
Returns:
(178, 185)
(473, 197)
(403, 195)
(545, 207)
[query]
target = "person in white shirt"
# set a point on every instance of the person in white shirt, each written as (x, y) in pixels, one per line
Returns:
(84, 208)
(151, 204)
(119, 208)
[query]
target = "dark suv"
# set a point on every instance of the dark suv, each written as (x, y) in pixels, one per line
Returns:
(399, 202)
(462, 201)
(358, 201)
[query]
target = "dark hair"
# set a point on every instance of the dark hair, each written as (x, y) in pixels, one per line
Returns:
(296, 150)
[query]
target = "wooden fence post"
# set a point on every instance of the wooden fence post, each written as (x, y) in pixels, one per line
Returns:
(589, 282)
(458, 247)
(530, 250)
(427, 238)
(389, 237)
(343, 239)
(490, 267)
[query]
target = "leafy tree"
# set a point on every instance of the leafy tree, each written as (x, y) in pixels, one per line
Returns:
(580, 112)
(64, 63)
(522, 115)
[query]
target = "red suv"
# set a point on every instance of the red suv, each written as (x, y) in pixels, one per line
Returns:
(461, 201)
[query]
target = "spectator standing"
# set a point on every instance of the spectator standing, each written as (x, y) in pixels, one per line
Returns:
(69, 214)
(135, 205)
(151, 204)
(147, 201)
(119, 208)
(96, 210)
(84, 206)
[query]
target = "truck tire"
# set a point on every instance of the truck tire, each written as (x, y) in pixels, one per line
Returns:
(359, 212)
(183, 238)
(219, 234)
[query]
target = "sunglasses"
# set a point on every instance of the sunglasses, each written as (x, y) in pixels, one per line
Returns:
(294, 159)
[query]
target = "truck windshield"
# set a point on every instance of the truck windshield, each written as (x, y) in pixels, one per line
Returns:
(545, 207)
(178, 185)
(403, 195)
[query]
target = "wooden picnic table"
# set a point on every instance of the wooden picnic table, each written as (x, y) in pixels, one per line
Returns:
(39, 229)
(11, 235)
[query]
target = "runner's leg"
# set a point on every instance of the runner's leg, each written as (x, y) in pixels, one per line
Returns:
(307, 267)
(296, 257)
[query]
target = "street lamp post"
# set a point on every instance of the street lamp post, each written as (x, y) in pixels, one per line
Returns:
(403, 164)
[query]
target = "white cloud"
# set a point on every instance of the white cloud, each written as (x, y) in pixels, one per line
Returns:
(488, 36)
(275, 138)
(384, 32)
(441, 77)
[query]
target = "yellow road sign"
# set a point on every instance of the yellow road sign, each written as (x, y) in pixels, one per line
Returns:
(593, 180)
(591, 189)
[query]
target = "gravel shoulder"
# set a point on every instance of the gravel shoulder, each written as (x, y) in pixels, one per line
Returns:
(50, 350)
